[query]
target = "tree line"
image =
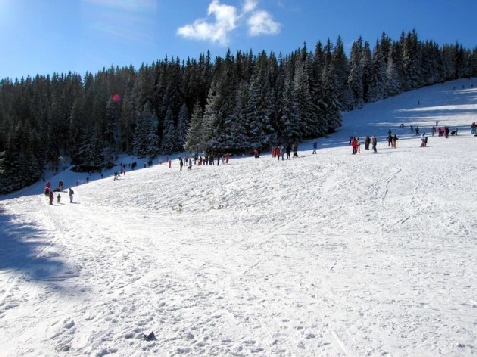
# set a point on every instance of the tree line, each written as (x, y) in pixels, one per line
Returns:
(232, 104)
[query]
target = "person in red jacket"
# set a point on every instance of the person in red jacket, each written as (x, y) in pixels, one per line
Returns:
(355, 144)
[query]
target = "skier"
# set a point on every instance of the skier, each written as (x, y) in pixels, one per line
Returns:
(58, 199)
(70, 194)
(314, 147)
(51, 197)
(354, 144)
(390, 139)
(374, 142)
(367, 141)
(423, 140)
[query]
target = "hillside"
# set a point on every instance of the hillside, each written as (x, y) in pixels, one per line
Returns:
(330, 254)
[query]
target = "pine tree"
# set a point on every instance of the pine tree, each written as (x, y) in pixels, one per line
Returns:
(145, 137)
(183, 125)
(195, 136)
(210, 118)
(411, 57)
(290, 112)
(169, 139)
(330, 104)
(341, 69)
(393, 83)
(355, 79)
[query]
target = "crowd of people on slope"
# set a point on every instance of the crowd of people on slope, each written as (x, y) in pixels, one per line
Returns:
(278, 151)
(201, 161)
(392, 138)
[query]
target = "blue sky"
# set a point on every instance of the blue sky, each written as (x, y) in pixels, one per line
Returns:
(46, 36)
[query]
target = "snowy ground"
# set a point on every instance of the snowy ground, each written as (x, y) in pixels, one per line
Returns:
(330, 254)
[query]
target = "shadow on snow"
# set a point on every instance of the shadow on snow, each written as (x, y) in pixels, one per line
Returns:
(23, 250)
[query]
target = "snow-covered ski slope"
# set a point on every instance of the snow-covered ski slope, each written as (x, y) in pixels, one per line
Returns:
(330, 254)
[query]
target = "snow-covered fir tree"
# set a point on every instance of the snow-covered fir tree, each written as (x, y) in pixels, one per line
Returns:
(145, 137)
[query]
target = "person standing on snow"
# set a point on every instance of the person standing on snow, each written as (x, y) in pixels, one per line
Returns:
(367, 141)
(51, 197)
(423, 139)
(70, 194)
(390, 138)
(354, 144)
(374, 142)
(314, 147)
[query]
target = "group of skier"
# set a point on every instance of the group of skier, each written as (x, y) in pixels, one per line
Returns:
(392, 139)
(279, 151)
(199, 160)
(48, 191)
(356, 145)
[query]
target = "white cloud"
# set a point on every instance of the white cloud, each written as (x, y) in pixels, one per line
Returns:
(249, 5)
(225, 22)
(227, 19)
(261, 23)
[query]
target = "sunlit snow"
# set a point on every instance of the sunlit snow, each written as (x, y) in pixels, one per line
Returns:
(330, 254)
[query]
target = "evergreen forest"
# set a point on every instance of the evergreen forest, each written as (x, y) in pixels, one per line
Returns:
(231, 104)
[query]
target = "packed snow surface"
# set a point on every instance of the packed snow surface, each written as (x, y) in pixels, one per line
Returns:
(327, 254)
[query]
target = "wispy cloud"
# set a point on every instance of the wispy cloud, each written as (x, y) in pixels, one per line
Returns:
(126, 4)
(127, 20)
(121, 27)
(227, 19)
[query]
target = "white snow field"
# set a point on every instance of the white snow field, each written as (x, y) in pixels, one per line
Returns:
(330, 254)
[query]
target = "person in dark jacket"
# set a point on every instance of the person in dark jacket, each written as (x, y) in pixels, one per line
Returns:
(367, 141)
(374, 142)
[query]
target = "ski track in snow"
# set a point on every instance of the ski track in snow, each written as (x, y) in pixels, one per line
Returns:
(330, 254)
